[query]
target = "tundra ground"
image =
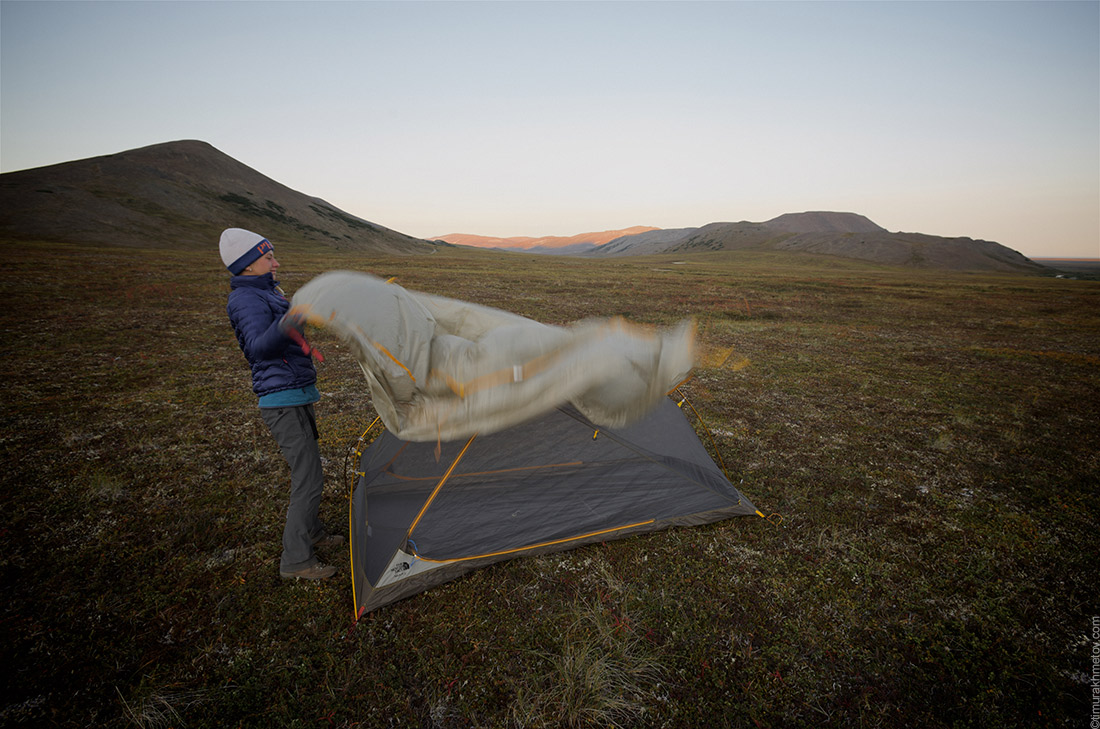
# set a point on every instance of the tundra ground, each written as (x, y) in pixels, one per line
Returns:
(930, 441)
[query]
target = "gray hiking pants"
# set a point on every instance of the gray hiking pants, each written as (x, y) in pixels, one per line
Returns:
(295, 430)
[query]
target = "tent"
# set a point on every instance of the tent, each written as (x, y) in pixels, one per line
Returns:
(508, 437)
(423, 513)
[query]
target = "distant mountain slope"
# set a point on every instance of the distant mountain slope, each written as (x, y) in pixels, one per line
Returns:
(653, 241)
(576, 249)
(545, 244)
(914, 249)
(836, 234)
(176, 194)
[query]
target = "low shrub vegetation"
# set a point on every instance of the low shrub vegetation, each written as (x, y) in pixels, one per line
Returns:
(928, 443)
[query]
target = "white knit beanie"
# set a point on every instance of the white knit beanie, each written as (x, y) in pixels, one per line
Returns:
(240, 247)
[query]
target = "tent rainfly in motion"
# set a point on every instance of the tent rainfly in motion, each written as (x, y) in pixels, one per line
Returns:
(549, 484)
(444, 369)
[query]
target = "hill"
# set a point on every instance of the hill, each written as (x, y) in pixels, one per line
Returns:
(847, 235)
(654, 241)
(176, 194)
(561, 245)
(823, 222)
(183, 194)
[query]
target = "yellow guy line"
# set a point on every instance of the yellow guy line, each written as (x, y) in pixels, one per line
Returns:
(438, 486)
(535, 546)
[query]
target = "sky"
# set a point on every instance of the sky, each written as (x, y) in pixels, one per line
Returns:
(977, 119)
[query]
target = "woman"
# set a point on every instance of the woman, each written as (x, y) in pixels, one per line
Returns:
(284, 379)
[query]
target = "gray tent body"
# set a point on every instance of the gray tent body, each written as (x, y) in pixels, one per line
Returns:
(546, 485)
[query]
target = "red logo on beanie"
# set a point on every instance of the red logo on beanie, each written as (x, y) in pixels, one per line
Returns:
(263, 247)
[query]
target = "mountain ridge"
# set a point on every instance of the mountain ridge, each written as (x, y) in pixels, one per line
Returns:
(843, 234)
(187, 187)
(184, 193)
(847, 235)
(547, 242)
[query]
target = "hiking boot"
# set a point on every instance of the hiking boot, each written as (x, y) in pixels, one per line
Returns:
(316, 571)
(329, 540)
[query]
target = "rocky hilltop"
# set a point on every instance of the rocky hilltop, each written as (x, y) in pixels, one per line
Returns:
(823, 222)
(176, 194)
(847, 235)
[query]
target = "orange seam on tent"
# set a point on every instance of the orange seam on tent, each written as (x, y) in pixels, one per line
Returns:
(351, 551)
(522, 468)
(442, 481)
(386, 468)
(395, 359)
(351, 521)
(490, 473)
(503, 376)
(492, 379)
(456, 387)
(532, 546)
(311, 317)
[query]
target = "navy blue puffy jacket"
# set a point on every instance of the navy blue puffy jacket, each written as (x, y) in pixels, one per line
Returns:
(255, 307)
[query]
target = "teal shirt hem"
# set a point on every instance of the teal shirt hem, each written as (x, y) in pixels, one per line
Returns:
(291, 398)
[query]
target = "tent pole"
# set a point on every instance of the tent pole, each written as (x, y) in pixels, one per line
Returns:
(438, 486)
